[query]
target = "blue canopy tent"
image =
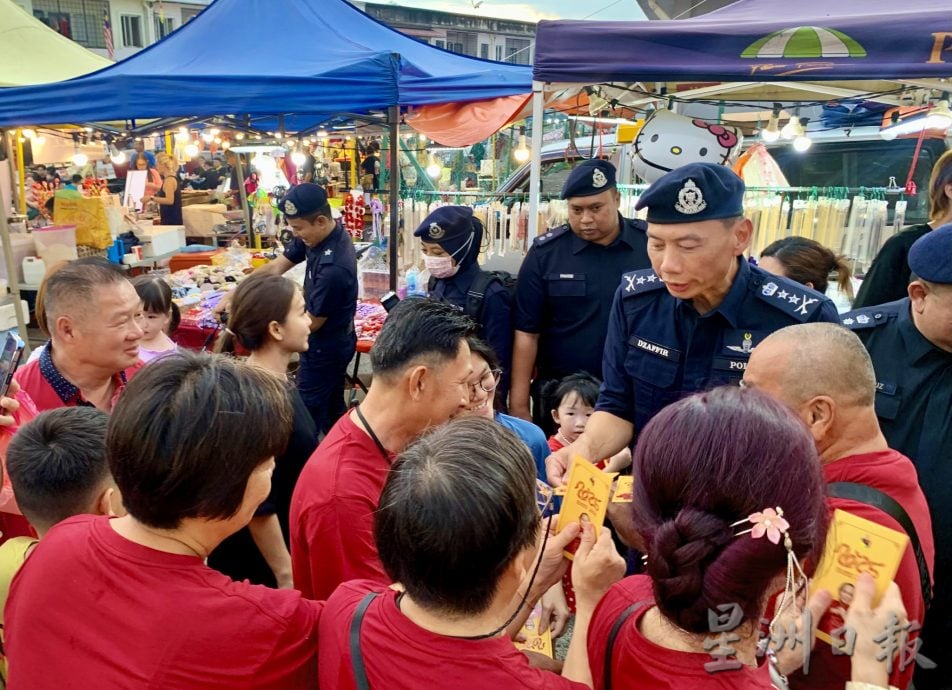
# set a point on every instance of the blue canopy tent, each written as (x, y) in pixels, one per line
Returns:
(261, 58)
(269, 65)
(754, 49)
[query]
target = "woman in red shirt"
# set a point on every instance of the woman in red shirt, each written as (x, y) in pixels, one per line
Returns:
(723, 480)
(129, 602)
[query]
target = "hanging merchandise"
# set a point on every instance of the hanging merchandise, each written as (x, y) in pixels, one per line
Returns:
(377, 213)
(354, 213)
(899, 217)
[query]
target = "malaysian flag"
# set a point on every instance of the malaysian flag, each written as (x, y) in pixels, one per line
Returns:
(107, 32)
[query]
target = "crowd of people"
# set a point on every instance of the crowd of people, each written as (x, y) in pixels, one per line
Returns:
(222, 524)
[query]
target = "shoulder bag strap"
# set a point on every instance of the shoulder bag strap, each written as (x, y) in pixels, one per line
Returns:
(476, 295)
(876, 498)
(610, 648)
(356, 656)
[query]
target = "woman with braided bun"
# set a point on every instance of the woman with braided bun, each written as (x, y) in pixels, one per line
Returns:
(728, 494)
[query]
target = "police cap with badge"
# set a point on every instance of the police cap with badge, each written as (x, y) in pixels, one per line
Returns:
(694, 193)
(304, 200)
(451, 227)
(589, 178)
(930, 257)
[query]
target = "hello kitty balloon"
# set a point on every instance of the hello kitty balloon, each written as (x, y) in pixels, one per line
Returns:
(668, 141)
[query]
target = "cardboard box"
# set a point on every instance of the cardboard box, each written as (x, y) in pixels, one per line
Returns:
(162, 239)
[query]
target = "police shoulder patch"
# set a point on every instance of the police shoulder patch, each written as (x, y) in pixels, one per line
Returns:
(640, 282)
(789, 296)
(870, 317)
(550, 235)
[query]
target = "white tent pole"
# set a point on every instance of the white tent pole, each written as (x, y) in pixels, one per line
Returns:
(535, 165)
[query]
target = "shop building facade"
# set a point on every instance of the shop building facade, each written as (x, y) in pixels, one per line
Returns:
(503, 40)
(140, 23)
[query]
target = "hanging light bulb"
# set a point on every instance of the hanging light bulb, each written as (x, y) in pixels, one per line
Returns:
(521, 154)
(434, 169)
(116, 156)
(802, 142)
(225, 145)
(80, 159)
(191, 150)
(772, 132)
(207, 137)
(29, 133)
(180, 135)
(239, 136)
(299, 158)
(322, 133)
(792, 129)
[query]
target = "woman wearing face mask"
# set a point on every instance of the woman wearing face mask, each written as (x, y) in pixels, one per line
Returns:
(451, 239)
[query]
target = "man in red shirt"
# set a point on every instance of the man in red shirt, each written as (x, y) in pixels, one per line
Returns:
(421, 369)
(92, 314)
(824, 373)
(459, 528)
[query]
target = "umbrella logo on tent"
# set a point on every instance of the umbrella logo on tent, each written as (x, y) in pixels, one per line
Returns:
(805, 42)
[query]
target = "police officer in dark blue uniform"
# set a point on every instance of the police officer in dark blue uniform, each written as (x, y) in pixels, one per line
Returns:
(451, 237)
(690, 322)
(330, 294)
(565, 289)
(910, 343)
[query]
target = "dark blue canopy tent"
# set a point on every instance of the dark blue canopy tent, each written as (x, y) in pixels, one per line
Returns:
(301, 59)
(757, 50)
(765, 40)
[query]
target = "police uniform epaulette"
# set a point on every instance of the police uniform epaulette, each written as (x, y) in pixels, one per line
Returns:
(551, 235)
(790, 297)
(869, 317)
(639, 282)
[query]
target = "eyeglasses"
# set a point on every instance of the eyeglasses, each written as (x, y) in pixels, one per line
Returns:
(488, 383)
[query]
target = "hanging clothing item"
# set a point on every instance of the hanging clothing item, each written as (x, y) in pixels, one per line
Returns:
(354, 215)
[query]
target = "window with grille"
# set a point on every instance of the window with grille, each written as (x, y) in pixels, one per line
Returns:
(131, 30)
(80, 20)
(163, 27)
(517, 51)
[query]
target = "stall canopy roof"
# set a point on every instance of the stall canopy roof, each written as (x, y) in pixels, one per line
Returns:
(299, 58)
(32, 53)
(756, 40)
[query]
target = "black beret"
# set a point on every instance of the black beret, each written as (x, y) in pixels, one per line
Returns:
(589, 178)
(694, 193)
(930, 257)
(304, 199)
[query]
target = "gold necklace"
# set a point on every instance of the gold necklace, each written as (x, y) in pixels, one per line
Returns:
(188, 546)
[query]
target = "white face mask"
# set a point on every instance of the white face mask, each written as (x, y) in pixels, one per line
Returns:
(440, 266)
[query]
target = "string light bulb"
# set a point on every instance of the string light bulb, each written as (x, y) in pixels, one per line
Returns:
(801, 142)
(772, 131)
(521, 154)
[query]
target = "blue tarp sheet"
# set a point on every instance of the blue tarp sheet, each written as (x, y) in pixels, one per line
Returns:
(304, 59)
(756, 40)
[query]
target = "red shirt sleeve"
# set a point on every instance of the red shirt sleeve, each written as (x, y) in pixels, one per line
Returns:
(340, 547)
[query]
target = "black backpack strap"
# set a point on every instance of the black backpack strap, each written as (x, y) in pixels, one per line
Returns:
(476, 295)
(356, 656)
(610, 648)
(876, 498)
